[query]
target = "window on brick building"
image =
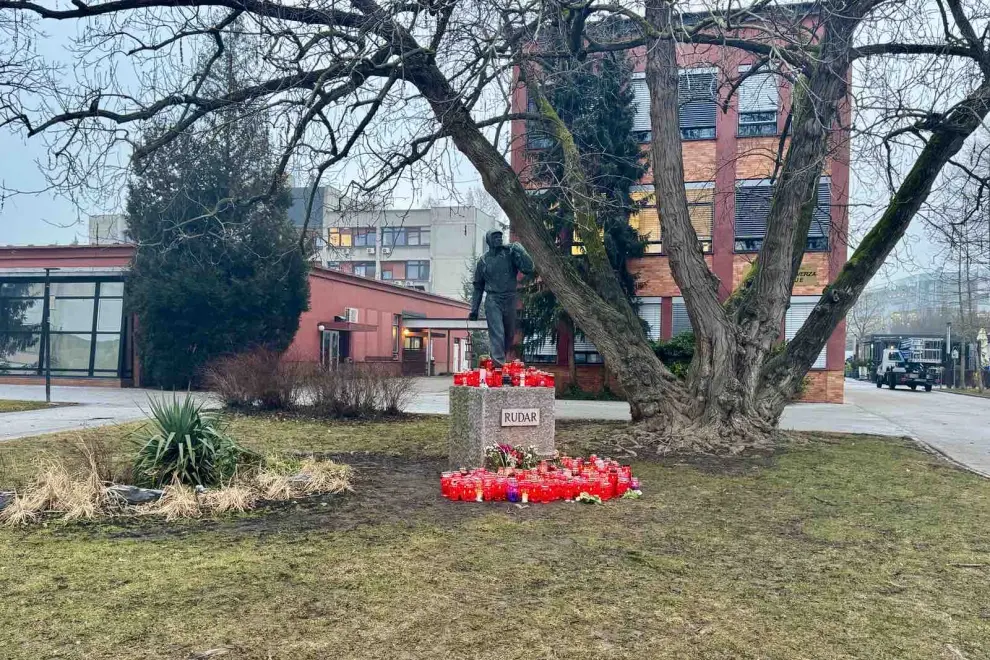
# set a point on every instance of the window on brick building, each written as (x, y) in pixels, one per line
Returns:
(641, 98)
(537, 136)
(758, 99)
(680, 321)
(585, 352)
(701, 207)
(577, 245)
(696, 99)
(799, 311)
(649, 311)
(646, 221)
(544, 352)
(753, 208)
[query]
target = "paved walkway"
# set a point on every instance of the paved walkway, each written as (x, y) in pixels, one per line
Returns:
(97, 406)
(952, 424)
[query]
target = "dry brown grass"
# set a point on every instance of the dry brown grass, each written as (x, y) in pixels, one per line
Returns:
(8, 405)
(235, 498)
(19, 512)
(281, 480)
(324, 477)
(274, 485)
(178, 501)
(56, 490)
(84, 494)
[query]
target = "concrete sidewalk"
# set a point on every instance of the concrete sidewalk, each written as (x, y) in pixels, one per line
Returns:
(431, 398)
(95, 406)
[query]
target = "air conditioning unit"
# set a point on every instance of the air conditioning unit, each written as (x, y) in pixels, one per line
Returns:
(371, 250)
(351, 314)
(386, 251)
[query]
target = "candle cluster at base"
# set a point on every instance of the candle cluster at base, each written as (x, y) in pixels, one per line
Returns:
(511, 374)
(566, 479)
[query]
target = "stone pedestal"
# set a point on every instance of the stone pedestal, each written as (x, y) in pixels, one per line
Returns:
(481, 417)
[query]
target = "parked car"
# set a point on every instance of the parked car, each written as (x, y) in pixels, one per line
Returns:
(895, 370)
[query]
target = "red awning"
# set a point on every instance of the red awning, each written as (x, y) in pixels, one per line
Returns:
(347, 326)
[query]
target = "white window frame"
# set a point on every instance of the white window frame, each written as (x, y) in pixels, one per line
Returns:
(651, 303)
(798, 306)
(763, 102)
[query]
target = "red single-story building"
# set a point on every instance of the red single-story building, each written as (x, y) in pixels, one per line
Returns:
(351, 318)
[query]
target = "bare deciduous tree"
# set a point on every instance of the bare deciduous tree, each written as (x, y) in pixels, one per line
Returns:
(387, 89)
(866, 316)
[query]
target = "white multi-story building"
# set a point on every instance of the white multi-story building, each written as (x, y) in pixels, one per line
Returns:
(107, 229)
(432, 249)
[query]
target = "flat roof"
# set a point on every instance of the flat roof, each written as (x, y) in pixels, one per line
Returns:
(381, 285)
(444, 324)
(12, 258)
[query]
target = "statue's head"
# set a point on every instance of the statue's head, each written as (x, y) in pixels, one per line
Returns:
(494, 239)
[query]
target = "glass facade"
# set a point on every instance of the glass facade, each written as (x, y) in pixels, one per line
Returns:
(88, 328)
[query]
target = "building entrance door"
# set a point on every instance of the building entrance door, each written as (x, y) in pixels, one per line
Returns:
(330, 349)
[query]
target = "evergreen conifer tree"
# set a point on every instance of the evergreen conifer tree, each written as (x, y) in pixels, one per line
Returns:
(212, 274)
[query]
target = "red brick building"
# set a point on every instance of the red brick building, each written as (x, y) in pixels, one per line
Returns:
(728, 161)
(351, 318)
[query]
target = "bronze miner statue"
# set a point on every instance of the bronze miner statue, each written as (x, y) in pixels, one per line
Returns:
(496, 276)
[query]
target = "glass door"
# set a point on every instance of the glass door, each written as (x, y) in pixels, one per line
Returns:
(330, 349)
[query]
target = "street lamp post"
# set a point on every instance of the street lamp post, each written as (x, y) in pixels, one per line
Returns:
(46, 331)
(948, 351)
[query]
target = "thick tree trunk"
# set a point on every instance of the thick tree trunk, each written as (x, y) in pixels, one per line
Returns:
(732, 398)
(717, 408)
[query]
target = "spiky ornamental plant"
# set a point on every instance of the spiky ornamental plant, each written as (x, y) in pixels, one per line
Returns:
(183, 443)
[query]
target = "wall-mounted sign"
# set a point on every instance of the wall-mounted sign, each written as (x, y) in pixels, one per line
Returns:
(520, 417)
(807, 276)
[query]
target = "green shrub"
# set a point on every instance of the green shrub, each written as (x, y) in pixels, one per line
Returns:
(676, 353)
(575, 393)
(184, 443)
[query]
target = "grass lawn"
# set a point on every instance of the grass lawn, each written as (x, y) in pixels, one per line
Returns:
(971, 391)
(835, 547)
(11, 405)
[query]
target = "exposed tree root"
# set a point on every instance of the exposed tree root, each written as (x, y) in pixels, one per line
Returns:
(723, 438)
